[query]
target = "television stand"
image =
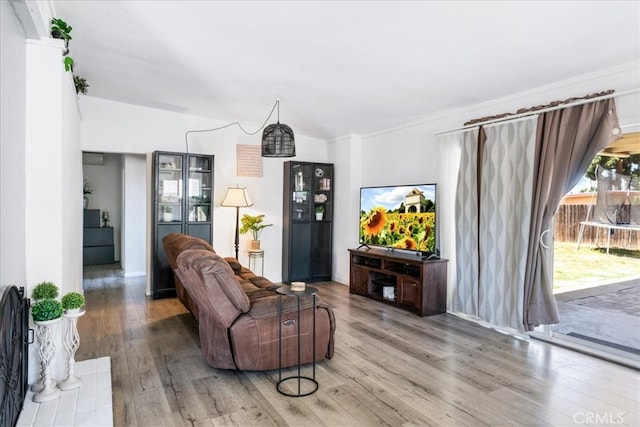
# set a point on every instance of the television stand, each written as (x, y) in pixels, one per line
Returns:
(416, 284)
(363, 245)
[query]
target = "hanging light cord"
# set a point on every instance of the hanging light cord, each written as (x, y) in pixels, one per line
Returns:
(277, 104)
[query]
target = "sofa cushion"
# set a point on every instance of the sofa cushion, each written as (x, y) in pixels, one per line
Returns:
(220, 269)
(247, 286)
(234, 264)
(218, 285)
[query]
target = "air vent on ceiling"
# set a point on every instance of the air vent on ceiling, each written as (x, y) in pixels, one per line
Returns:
(89, 158)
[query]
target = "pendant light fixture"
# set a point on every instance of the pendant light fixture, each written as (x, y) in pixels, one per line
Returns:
(278, 140)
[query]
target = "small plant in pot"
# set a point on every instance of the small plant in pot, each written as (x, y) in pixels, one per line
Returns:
(46, 310)
(253, 224)
(44, 290)
(80, 84)
(167, 213)
(319, 212)
(61, 30)
(72, 302)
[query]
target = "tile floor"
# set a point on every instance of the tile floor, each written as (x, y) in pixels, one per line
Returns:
(89, 405)
(607, 313)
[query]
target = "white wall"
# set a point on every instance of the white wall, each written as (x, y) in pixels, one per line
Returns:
(134, 223)
(114, 127)
(12, 149)
(106, 182)
(346, 154)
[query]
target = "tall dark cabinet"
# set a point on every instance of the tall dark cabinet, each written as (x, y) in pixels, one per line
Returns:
(307, 221)
(183, 186)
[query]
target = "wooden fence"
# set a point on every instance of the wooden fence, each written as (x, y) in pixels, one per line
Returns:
(567, 227)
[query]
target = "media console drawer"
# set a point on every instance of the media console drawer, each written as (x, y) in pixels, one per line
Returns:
(401, 279)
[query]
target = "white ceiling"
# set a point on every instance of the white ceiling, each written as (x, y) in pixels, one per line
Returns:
(339, 67)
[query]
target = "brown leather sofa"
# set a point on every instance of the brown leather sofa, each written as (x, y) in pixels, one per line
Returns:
(238, 312)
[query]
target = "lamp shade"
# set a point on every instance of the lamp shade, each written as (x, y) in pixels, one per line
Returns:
(278, 141)
(237, 197)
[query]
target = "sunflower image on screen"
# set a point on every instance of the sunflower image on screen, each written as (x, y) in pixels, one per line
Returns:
(400, 217)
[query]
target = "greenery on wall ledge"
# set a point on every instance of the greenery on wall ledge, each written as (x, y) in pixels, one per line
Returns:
(81, 84)
(61, 30)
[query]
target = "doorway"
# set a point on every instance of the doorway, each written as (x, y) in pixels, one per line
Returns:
(597, 285)
(116, 213)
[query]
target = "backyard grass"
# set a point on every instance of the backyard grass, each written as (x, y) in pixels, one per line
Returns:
(591, 266)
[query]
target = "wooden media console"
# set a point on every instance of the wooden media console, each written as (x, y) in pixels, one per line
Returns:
(400, 278)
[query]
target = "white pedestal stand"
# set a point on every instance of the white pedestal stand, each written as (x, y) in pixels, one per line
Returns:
(46, 350)
(71, 344)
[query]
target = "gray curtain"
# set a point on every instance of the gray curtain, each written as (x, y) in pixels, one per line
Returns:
(464, 292)
(566, 142)
(506, 185)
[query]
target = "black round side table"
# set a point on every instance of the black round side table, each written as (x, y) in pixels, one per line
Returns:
(308, 291)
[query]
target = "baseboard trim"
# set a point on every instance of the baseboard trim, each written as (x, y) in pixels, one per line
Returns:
(135, 274)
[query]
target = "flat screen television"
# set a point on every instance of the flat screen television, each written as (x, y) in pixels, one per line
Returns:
(399, 217)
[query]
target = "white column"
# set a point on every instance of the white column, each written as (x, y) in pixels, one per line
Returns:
(346, 155)
(53, 178)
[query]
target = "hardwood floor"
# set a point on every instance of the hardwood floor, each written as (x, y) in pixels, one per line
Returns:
(390, 368)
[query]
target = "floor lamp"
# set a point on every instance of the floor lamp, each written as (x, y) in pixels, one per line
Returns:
(237, 197)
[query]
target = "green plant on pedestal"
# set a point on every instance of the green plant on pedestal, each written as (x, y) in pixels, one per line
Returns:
(45, 290)
(46, 309)
(253, 224)
(72, 301)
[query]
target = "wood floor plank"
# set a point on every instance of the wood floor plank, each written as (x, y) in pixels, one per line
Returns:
(391, 368)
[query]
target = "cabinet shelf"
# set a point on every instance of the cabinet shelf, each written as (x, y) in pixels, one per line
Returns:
(401, 279)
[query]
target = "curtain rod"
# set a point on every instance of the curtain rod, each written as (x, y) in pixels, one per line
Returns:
(544, 110)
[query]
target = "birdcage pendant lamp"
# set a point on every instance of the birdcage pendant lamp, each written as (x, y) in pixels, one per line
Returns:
(278, 140)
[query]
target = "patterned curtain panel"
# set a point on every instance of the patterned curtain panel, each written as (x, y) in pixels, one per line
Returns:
(566, 142)
(464, 298)
(505, 218)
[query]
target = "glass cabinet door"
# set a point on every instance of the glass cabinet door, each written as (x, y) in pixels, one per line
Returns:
(169, 188)
(322, 179)
(302, 189)
(199, 189)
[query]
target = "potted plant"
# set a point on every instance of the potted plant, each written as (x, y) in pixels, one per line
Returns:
(319, 212)
(46, 310)
(167, 213)
(61, 30)
(72, 302)
(254, 225)
(80, 84)
(86, 189)
(44, 290)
